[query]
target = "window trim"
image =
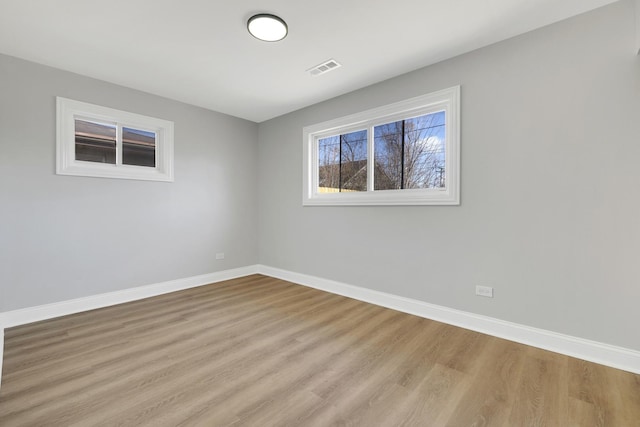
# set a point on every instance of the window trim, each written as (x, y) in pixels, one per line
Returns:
(67, 110)
(447, 100)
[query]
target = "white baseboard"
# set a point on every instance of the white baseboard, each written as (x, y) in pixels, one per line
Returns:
(63, 308)
(592, 351)
(1, 352)
(48, 311)
(605, 354)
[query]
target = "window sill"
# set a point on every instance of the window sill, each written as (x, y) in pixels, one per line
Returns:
(98, 170)
(385, 198)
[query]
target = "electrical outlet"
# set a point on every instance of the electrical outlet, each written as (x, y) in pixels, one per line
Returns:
(484, 291)
(220, 255)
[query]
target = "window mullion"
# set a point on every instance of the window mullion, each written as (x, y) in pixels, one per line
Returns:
(402, 158)
(340, 164)
(118, 144)
(371, 162)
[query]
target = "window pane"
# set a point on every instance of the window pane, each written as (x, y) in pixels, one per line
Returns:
(329, 165)
(424, 152)
(138, 147)
(342, 163)
(387, 143)
(353, 161)
(410, 153)
(95, 142)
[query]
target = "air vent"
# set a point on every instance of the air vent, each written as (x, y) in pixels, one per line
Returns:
(325, 67)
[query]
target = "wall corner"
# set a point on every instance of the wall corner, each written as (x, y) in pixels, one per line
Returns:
(637, 44)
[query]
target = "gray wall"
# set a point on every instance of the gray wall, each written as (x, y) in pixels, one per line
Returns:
(64, 237)
(550, 202)
(550, 212)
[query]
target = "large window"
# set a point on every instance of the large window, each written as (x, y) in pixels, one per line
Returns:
(406, 153)
(103, 142)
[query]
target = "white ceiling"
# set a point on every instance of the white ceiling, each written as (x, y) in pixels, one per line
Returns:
(199, 52)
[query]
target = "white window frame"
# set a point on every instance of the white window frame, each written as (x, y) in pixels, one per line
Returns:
(447, 100)
(66, 164)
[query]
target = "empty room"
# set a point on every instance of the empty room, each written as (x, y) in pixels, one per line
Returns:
(291, 213)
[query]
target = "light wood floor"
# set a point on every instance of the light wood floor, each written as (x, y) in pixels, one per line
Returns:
(258, 351)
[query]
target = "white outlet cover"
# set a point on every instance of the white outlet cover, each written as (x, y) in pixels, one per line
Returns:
(484, 291)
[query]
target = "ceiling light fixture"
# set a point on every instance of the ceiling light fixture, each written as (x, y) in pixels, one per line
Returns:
(266, 27)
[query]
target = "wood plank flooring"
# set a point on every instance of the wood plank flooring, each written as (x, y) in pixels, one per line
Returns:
(258, 351)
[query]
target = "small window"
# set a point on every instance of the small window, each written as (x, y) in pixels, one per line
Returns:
(343, 163)
(401, 154)
(103, 142)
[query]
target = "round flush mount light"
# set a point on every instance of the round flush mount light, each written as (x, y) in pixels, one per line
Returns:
(266, 27)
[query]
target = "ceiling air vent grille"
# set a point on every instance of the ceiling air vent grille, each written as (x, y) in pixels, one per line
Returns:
(325, 67)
